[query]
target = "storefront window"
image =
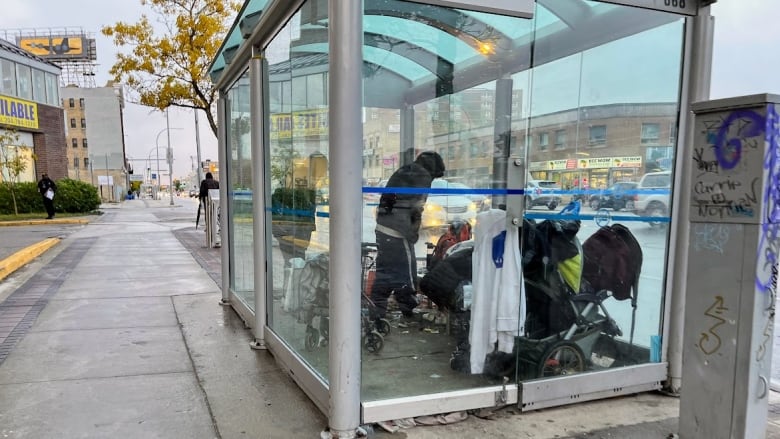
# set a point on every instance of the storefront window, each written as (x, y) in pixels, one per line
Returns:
(238, 127)
(298, 189)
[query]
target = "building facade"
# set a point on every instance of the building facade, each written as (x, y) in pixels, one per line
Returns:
(95, 138)
(30, 111)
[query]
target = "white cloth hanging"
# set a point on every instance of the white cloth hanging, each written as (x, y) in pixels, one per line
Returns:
(498, 306)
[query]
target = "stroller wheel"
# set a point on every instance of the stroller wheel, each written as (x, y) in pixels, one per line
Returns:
(382, 326)
(312, 338)
(374, 342)
(562, 358)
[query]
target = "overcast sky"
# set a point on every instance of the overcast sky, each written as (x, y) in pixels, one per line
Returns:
(746, 61)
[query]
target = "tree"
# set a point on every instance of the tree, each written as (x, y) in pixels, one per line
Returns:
(171, 69)
(12, 162)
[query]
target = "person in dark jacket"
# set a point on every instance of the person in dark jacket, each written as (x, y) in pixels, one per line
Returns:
(398, 220)
(205, 185)
(44, 186)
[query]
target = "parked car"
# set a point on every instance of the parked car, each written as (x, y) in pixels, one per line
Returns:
(618, 196)
(652, 198)
(542, 193)
(193, 193)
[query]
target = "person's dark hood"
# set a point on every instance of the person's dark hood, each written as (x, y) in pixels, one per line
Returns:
(432, 162)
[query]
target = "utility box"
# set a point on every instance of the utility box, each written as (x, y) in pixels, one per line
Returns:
(732, 268)
(213, 237)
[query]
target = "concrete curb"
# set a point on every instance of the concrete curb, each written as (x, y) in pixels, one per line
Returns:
(37, 222)
(25, 255)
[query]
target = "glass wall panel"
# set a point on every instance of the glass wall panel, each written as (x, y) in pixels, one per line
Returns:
(238, 127)
(297, 182)
(602, 155)
(429, 168)
(589, 121)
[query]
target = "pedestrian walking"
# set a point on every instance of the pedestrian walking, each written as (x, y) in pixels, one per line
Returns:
(47, 188)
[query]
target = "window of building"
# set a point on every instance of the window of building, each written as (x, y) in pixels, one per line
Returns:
(651, 133)
(71, 102)
(74, 142)
(39, 85)
(672, 133)
(8, 76)
(73, 123)
(86, 163)
(75, 161)
(83, 123)
(81, 102)
(560, 139)
(597, 135)
(52, 90)
(84, 142)
(544, 140)
(24, 81)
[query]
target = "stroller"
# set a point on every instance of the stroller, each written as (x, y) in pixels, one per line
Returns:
(566, 321)
(566, 317)
(314, 289)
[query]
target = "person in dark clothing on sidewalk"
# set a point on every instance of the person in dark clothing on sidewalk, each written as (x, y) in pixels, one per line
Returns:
(398, 220)
(47, 188)
(205, 185)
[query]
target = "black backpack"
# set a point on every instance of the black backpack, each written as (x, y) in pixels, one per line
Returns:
(613, 261)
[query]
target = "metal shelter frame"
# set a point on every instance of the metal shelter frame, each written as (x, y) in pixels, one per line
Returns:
(335, 40)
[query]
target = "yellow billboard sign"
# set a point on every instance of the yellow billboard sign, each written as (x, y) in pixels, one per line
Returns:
(18, 112)
(54, 46)
(299, 124)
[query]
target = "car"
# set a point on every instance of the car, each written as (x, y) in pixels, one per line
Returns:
(618, 196)
(483, 201)
(193, 193)
(652, 199)
(542, 193)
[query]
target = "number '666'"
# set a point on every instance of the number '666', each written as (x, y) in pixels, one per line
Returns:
(675, 3)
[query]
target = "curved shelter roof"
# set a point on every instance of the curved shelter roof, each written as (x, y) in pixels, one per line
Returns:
(430, 51)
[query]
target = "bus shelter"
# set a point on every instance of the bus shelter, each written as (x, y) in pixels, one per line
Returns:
(534, 108)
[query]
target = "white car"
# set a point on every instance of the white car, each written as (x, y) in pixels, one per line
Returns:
(653, 197)
(441, 209)
(541, 193)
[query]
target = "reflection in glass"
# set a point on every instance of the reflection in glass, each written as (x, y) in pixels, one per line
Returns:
(297, 197)
(238, 128)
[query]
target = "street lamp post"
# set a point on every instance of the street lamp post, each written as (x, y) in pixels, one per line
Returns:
(168, 154)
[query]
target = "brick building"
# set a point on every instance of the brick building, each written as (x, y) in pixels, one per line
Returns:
(30, 110)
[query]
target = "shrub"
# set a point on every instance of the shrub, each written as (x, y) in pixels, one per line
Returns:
(72, 196)
(75, 196)
(28, 199)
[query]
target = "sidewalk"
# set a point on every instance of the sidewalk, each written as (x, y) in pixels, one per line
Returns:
(121, 335)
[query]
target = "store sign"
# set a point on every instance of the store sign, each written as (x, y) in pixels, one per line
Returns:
(561, 165)
(685, 7)
(18, 112)
(513, 8)
(610, 162)
(593, 163)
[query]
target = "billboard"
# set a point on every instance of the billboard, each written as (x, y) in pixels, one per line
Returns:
(59, 47)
